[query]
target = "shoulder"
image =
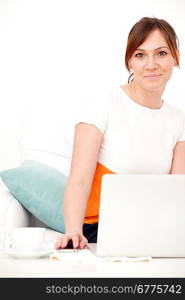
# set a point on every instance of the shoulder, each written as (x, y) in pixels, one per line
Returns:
(98, 99)
(95, 108)
(176, 113)
(176, 120)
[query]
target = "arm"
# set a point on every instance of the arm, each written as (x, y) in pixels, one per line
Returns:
(87, 141)
(178, 163)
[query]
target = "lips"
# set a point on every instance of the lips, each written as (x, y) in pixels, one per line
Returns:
(152, 75)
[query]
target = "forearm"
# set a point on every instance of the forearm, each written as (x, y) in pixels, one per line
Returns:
(75, 203)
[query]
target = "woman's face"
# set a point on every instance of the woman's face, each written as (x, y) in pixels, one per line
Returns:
(152, 63)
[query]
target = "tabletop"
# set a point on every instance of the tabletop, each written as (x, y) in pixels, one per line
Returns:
(45, 267)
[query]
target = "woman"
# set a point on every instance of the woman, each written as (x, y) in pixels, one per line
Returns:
(135, 132)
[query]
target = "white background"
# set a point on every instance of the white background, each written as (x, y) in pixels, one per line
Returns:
(51, 50)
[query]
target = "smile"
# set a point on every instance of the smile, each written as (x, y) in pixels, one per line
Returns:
(152, 76)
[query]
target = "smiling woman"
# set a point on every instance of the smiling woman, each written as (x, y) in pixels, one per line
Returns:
(129, 130)
(134, 131)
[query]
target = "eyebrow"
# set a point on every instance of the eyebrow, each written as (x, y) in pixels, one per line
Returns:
(154, 49)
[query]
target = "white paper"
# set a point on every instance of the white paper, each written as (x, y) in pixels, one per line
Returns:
(86, 256)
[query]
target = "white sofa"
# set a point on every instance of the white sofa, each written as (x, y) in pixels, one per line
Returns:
(46, 136)
(13, 214)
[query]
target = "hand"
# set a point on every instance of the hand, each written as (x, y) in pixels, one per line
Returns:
(77, 238)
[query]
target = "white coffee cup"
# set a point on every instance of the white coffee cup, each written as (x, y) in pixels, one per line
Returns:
(26, 239)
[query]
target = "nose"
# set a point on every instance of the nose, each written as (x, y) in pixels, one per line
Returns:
(151, 63)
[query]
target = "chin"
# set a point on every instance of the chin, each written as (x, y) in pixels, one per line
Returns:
(154, 87)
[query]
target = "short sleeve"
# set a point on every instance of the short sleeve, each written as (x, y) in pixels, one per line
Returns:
(182, 128)
(95, 110)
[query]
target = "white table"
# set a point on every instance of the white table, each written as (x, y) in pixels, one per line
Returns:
(43, 267)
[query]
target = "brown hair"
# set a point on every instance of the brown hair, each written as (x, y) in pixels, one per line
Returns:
(140, 32)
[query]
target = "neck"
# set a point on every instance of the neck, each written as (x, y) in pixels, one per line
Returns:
(150, 99)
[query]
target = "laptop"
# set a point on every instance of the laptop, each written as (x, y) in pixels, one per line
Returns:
(142, 215)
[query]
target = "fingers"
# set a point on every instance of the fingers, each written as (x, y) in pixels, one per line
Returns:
(78, 241)
(63, 241)
(75, 241)
(83, 243)
(59, 242)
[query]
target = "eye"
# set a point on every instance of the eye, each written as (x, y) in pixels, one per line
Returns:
(162, 53)
(139, 54)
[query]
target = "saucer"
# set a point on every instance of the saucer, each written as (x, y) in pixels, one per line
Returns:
(29, 254)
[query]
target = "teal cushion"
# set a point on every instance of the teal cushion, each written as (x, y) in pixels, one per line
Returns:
(40, 189)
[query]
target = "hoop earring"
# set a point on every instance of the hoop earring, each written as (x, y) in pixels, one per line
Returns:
(130, 79)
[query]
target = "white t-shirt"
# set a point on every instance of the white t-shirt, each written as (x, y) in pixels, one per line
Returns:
(137, 139)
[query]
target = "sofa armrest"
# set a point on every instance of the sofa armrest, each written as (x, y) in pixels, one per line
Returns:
(12, 214)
